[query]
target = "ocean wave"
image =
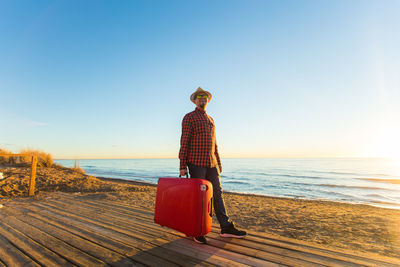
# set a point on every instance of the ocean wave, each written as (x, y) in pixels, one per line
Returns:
(302, 176)
(383, 174)
(341, 186)
(355, 187)
(235, 177)
(355, 173)
(383, 202)
(337, 196)
(270, 186)
(294, 196)
(285, 175)
(333, 172)
(122, 175)
(236, 182)
(382, 197)
(390, 181)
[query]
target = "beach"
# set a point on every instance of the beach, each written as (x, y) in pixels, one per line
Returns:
(361, 181)
(356, 227)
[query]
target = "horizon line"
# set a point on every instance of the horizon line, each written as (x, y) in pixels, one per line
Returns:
(327, 157)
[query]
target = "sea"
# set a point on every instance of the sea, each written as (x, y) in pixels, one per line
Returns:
(368, 181)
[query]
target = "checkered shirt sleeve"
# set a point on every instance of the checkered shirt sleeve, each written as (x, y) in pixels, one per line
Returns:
(187, 132)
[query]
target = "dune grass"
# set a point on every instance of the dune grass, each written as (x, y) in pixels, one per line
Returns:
(4, 159)
(43, 159)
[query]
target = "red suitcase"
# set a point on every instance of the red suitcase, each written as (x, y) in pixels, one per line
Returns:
(184, 205)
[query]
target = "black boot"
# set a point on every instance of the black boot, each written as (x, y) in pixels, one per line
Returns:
(231, 231)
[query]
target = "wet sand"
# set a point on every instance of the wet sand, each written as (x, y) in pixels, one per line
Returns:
(350, 226)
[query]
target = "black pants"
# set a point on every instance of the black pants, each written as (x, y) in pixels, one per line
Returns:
(212, 175)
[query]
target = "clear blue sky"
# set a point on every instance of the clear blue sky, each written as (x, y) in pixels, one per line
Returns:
(106, 79)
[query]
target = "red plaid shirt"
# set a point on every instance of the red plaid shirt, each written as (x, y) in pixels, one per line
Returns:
(198, 142)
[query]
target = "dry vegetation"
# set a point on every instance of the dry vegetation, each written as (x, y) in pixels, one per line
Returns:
(51, 177)
(4, 159)
(61, 179)
(44, 159)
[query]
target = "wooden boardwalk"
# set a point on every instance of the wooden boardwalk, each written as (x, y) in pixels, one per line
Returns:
(69, 230)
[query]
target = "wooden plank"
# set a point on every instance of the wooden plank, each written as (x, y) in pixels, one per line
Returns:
(305, 259)
(146, 229)
(83, 230)
(117, 205)
(373, 258)
(96, 218)
(124, 236)
(138, 213)
(195, 250)
(226, 255)
(133, 221)
(93, 249)
(292, 244)
(111, 215)
(34, 250)
(214, 257)
(128, 228)
(240, 254)
(107, 216)
(336, 256)
(115, 208)
(275, 254)
(11, 256)
(72, 254)
(144, 257)
(126, 233)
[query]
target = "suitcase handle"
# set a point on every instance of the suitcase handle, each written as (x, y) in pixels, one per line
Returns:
(187, 175)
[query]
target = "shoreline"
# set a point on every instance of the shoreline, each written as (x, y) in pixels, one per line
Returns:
(124, 181)
(133, 182)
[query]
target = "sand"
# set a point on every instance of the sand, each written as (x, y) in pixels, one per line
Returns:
(350, 226)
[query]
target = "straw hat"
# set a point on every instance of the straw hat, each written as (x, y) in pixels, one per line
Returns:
(198, 92)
